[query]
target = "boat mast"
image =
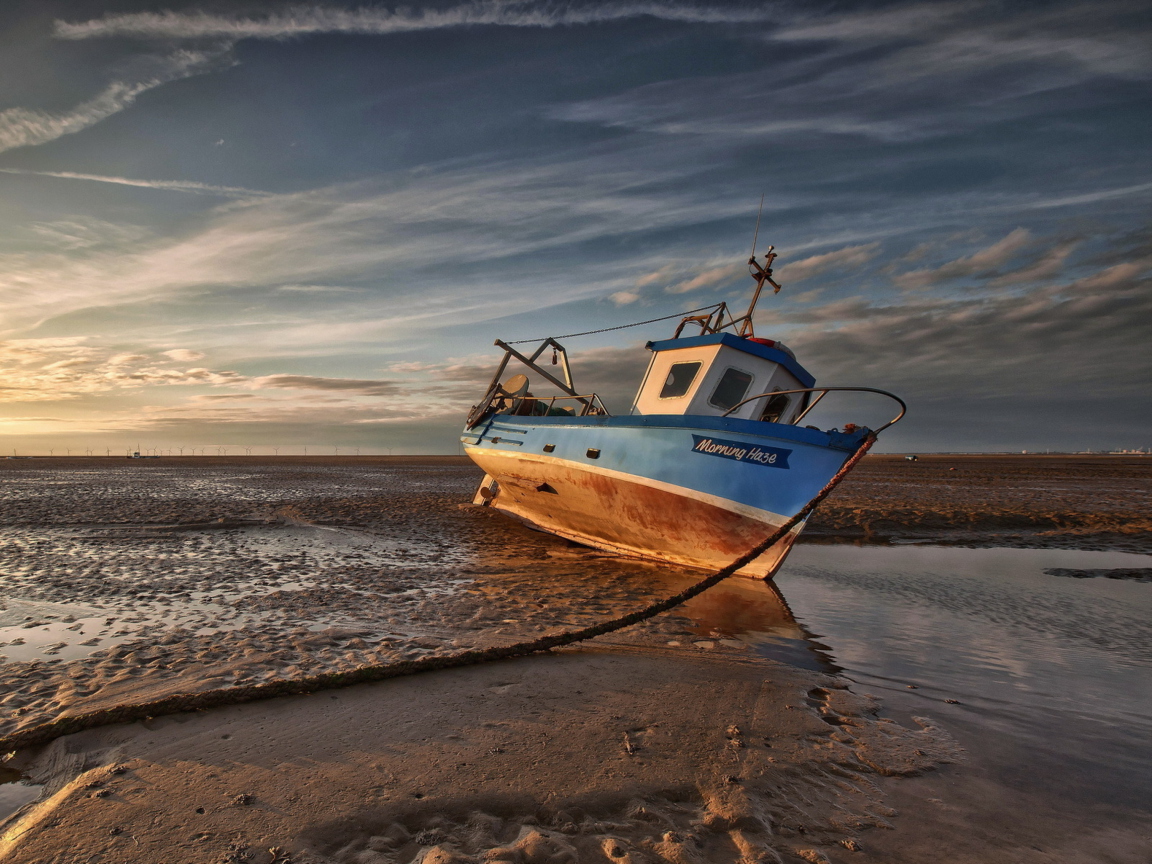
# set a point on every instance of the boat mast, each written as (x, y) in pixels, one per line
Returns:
(713, 322)
(763, 276)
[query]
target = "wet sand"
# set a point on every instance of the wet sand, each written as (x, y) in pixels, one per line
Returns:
(665, 742)
(1034, 501)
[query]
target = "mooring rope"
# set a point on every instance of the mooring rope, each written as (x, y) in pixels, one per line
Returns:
(180, 702)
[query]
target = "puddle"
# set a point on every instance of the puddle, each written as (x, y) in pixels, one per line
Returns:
(15, 791)
(756, 614)
(1055, 673)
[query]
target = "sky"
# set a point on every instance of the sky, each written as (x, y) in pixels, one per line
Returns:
(267, 226)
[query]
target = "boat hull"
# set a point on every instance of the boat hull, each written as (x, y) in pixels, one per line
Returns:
(698, 492)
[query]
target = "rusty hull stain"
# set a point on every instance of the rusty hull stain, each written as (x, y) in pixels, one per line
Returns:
(629, 518)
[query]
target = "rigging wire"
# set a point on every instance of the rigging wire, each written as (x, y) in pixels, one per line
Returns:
(620, 327)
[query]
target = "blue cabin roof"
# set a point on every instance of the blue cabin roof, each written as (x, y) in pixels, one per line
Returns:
(740, 344)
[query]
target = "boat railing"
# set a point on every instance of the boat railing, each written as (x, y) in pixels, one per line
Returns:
(590, 404)
(824, 391)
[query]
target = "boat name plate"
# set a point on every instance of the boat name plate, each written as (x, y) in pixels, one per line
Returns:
(740, 451)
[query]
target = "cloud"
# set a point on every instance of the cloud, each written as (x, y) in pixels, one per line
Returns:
(708, 278)
(676, 277)
(1117, 274)
(86, 385)
(806, 268)
(612, 373)
(1082, 198)
(958, 36)
(623, 298)
(664, 274)
(1047, 266)
(165, 185)
(975, 348)
(983, 261)
(184, 355)
(39, 370)
(25, 127)
(910, 73)
(360, 387)
(390, 228)
(305, 21)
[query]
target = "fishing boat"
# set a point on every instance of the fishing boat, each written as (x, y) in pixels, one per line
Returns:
(711, 458)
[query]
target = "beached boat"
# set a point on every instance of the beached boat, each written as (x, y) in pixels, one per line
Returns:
(710, 459)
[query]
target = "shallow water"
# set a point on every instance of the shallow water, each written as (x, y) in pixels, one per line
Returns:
(1052, 675)
(15, 791)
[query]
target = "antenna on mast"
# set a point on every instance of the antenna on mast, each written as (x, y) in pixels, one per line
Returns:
(756, 234)
(762, 275)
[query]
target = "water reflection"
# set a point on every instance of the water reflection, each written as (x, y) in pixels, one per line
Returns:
(757, 614)
(15, 791)
(1055, 672)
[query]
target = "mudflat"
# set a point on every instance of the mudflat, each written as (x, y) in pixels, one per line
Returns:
(122, 580)
(1063, 501)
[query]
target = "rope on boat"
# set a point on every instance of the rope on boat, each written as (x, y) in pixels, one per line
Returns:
(619, 327)
(45, 732)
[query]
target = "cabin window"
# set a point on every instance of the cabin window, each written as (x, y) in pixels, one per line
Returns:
(775, 408)
(731, 389)
(680, 378)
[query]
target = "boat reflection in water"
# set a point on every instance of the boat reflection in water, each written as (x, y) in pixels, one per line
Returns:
(757, 614)
(543, 583)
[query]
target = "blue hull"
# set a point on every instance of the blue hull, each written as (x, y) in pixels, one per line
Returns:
(694, 490)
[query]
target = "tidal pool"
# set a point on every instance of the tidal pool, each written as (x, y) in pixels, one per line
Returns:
(1047, 681)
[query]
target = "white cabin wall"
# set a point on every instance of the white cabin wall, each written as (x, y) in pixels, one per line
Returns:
(715, 360)
(648, 400)
(643, 384)
(781, 379)
(760, 369)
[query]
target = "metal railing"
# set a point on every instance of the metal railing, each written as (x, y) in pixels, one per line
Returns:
(824, 391)
(589, 404)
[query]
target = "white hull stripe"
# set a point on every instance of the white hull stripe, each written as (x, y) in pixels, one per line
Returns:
(765, 516)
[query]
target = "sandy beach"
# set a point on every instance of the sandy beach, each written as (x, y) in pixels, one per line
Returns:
(125, 580)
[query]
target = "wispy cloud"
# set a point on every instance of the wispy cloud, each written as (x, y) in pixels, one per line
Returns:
(304, 21)
(849, 256)
(1080, 198)
(343, 385)
(997, 343)
(709, 278)
(63, 369)
(982, 261)
(166, 185)
(26, 127)
(393, 227)
(913, 72)
(1047, 266)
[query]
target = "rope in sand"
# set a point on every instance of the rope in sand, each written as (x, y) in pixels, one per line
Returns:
(180, 702)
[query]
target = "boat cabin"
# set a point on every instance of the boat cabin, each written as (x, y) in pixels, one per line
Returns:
(713, 373)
